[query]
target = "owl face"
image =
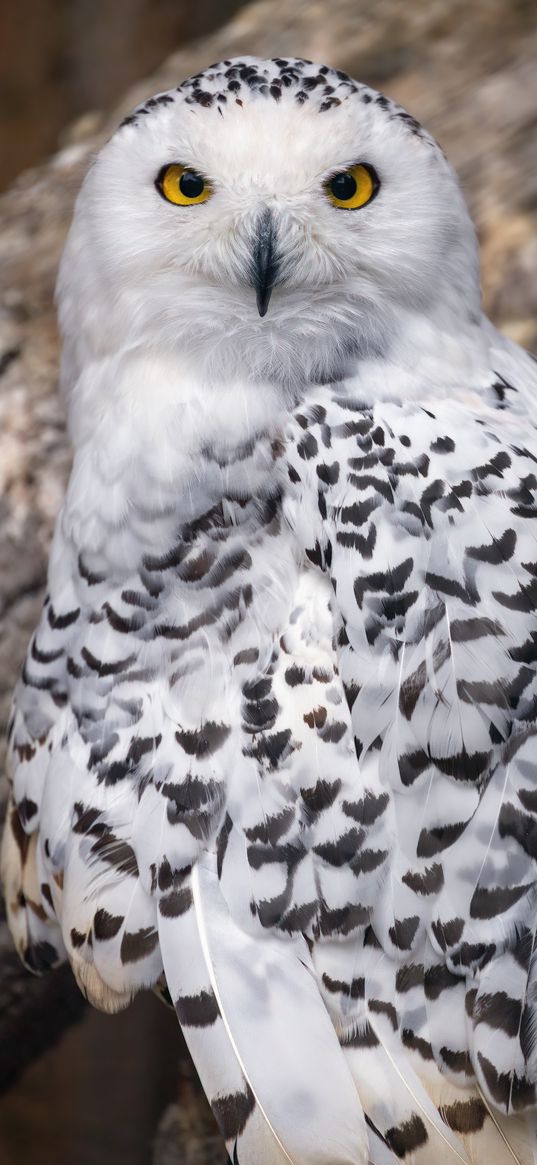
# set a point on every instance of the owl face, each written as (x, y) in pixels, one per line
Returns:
(272, 215)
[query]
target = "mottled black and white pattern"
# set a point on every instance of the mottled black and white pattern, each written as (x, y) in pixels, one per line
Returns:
(273, 749)
(288, 78)
(435, 636)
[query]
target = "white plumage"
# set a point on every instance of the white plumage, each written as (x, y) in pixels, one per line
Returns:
(274, 740)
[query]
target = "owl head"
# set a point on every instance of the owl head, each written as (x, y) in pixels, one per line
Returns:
(268, 218)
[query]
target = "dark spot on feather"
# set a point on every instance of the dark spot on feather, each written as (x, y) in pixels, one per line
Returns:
(353, 541)
(316, 718)
(473, 956)
(221, 845)
(368, 860)
(333, 731)
(60, 622)
(417, 1043)
(439, 979)
(389, 581)
(464, 766)
(443, 445)
(232, 1111)
(26, 810)
(499, 1011)
(489, 902)
(106, 669)
(320, 796)
(46, 894)
(457, 1061)
(361, 1037)
(175, 904)
(509, 1091)
(358, 513)
(354, 990)
(403, 932)
(260, 715)
(272, 748)
(105, 925)
(409, 976)
(329, 473)
(448, 934)
(199, 1010)
(427, 881)
(289, 854)
(494, 467)
(44, 657)
(407, 1137)
(307, 447)
(465, 1116)
(298, 918)
(248, 655)
(343, 920)
(411, 689)
(498, 551)
(196, 803)
(271, 829)
(257, 689)
(204, 741)
(140, 747)
(380, 1007)
(100, 751)
(520, 826)
(464, 630)
(466, 592)
(367, 810)
(295, 675)
(433, 841)
(114, 851)
(341, 852)
(138, 944)
(411, 766)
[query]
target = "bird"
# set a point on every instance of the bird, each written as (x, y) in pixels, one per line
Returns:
(272, 749)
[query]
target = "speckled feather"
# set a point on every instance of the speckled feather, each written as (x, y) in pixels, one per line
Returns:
(273, 744)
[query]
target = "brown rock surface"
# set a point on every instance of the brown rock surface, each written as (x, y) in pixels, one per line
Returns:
(466, 71)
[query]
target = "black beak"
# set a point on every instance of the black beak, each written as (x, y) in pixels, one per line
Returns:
(264, 260)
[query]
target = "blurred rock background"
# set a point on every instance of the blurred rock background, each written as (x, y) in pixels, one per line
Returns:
(69, 70)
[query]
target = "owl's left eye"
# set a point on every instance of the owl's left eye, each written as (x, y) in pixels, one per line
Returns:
(182, 186)
(350, 189)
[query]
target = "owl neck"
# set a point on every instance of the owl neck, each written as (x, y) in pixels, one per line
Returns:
(155, 449)
(431, 353)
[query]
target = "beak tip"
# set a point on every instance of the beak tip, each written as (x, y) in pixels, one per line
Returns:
(263, 300)
(264, 261)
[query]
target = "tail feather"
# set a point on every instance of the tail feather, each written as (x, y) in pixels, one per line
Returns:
(261, 994)
(398, 1104)
(392, 1094)
(248, 1134)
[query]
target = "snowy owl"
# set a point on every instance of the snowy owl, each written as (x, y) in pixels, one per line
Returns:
(274, 747)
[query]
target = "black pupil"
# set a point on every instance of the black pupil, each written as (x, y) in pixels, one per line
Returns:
(191, 185)
(343, 186)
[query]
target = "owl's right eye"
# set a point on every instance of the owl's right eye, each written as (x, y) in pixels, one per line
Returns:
(182, 186)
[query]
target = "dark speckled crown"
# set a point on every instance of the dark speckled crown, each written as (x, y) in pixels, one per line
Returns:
(294, 78)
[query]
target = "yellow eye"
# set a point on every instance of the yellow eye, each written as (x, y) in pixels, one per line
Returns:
(353, 188)
(182, 186)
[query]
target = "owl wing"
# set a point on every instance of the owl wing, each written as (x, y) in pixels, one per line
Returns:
(38, 721)
(423, 518)
(136, 780)
(78, 724)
